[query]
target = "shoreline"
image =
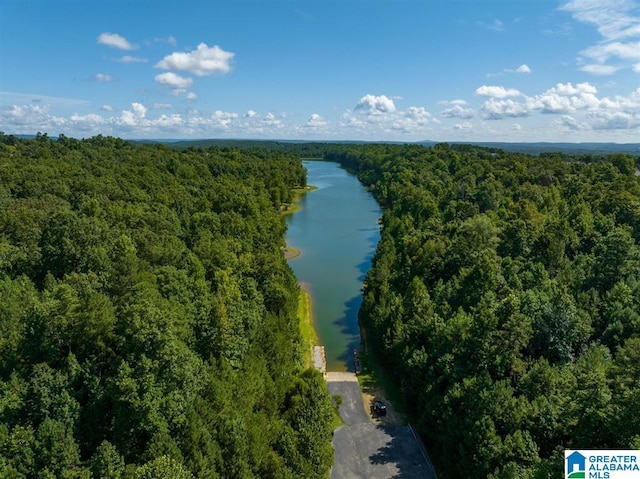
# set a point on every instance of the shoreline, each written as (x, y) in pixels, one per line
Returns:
(308, 335)
(290, 252)
(287, 209)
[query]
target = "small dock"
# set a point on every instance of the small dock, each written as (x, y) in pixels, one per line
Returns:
(320, 360)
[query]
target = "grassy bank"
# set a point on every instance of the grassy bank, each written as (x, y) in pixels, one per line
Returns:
(307, 329)
(290, 208)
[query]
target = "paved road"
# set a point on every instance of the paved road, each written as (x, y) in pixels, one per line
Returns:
(367, 450)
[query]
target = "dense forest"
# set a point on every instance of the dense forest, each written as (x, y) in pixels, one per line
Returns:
(147, 315)
(504, 300)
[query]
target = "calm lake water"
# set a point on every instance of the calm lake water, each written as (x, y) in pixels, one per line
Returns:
(337, 232)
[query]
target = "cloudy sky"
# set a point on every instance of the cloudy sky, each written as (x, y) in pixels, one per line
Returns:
(405, 70)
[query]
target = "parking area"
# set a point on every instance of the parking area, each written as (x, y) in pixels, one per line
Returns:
(371, 449)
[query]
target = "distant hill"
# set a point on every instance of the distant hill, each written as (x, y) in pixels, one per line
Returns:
(567, 148)
(526, 148)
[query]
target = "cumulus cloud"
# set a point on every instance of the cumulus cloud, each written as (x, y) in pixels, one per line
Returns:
(202, 61)
(161, 106)
(103, 77)
(251, 114)
(568, 122)
(271, 120)
(463, 126)
(315, 121)
(494, 109)
(139, 110)
(413, 119)
(458, 111)
(191, 96)
(173, 80)
(523, 69)
(565, 98)
(614, 120)
(373, 104)
(569, 89)
(107, 108)
(496, 91)
(516, 127)
(21, 115)
(116, 41)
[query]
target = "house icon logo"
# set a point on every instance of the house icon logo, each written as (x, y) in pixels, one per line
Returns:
(576, 465)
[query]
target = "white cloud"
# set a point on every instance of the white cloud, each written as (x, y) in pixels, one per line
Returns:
(139, 110)
(173, 80)
(516, 127)
(496, 91)
(191, 96)
(523, 69)
(614, 120)
(202, 61)
(85, 123)
(315, 121)
(618, 23)
(458, 111)
(493, 109)
(373, 105)
(413, 119)
(103, 77)
(569, 89)
(251, 114)
(107, 108)
(568, 122)
(25, 115)
(599, 69)
(602, 53)
(463, 126)
(565, 98)
(160, 106)
(636, 68)
(116, 41)
(614, 19)
(271, 120)
(130, 59)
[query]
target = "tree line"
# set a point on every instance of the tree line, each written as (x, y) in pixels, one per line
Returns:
(148, 321)
(504, 300)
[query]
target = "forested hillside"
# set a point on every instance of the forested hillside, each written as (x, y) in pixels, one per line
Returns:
(147, 316)
(504, 299)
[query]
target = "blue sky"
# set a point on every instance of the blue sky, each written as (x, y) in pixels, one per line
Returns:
(403, 70)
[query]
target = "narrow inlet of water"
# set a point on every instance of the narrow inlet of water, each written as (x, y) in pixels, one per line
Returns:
(336, 232)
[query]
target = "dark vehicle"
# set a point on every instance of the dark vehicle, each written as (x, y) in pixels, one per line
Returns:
(379, 408)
